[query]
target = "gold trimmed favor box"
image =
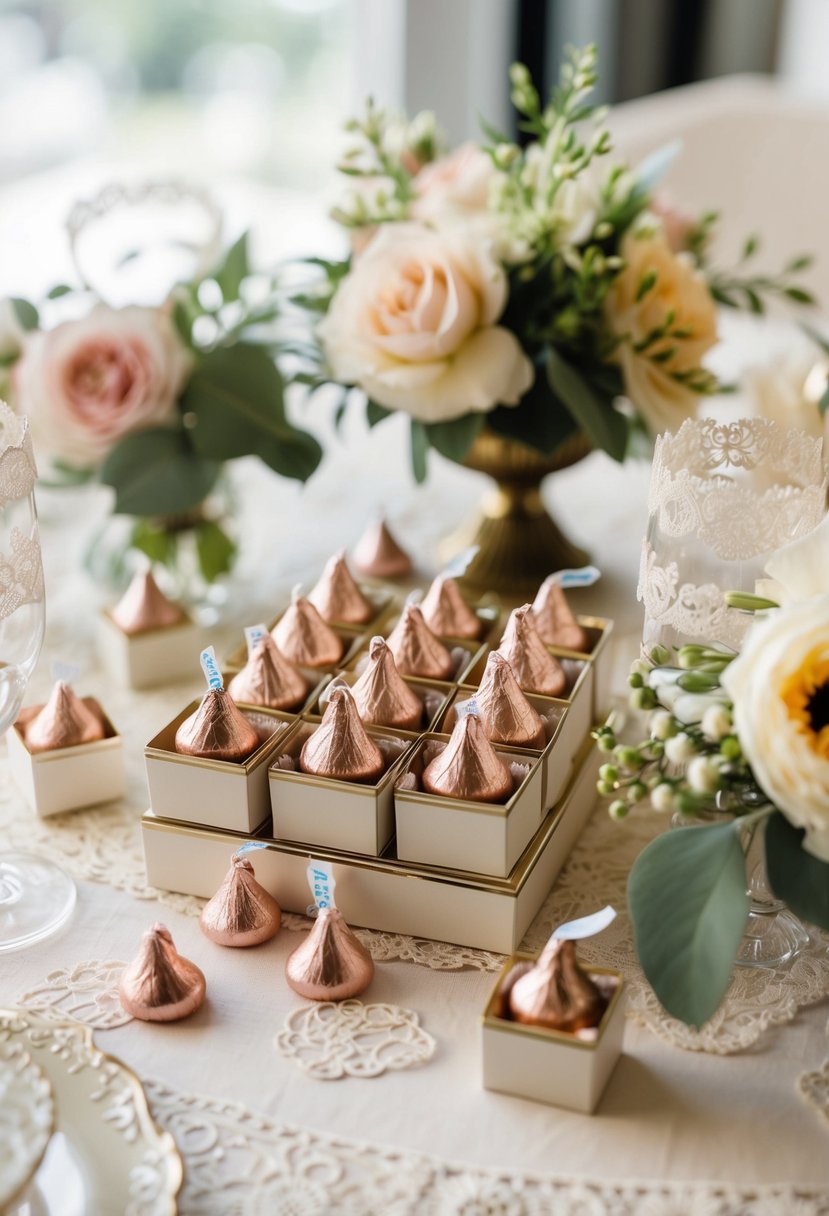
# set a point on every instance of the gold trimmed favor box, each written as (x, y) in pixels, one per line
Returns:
(152, 657)
(554, 1066)
(68, 778)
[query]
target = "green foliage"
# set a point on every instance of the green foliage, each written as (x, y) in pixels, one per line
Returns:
(420, 446)
(454, 439)
(157, 472)
(375, 413)
(539, 420)
(214, 549)
(689, 906)
(156, 541)
(795, 876)
(605, 426)
(234, 269)
(234, 401)
(25, 313)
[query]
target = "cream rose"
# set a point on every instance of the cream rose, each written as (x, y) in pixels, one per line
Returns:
(800, 570)
(459, 182)
(87, 383)
(779, 684)
(787, 390)
(663, 401)
(413, 324)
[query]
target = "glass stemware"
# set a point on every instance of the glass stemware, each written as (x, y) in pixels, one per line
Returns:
(36, 897)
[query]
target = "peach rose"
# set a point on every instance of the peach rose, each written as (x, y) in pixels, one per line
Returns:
(458, 182)
(414, 325)
(87, 383)
(663, 401)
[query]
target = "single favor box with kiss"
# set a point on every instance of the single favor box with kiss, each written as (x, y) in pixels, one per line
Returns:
(66, 754)
(146, 639)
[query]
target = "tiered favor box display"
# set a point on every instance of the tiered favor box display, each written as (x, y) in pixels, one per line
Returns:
(435, 695)
(384, 893)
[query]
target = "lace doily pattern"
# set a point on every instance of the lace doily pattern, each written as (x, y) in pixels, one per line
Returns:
(87, 993)
(18, 471)
(27, 1117)
(686, 608)
(237, 1161)
(331, 1040)
(814, 1089)
(743, 488)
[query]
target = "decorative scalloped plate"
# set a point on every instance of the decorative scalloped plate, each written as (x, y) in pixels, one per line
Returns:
(107, 1155)
(27, 1119)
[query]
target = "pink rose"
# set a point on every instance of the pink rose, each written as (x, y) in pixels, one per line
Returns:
(456, 183)
(87, 383)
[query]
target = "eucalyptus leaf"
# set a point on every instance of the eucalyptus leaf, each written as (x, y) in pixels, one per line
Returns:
(689, 905)
(234, 269)
(454, 439)
(25, 313)
(797, 877)
(156, 542)
(235, 397)
(156, 472)
(214, 549)
(375, 413)
(539, 421)
(420, 446)
(592, 410)
(61, 289)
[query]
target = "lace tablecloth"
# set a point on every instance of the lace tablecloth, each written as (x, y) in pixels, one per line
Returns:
(731, 1126)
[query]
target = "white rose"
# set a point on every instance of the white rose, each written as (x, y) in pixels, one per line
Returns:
(413, 324)
(800, 570)
(779, 684)
(86, 384)
(782, 391)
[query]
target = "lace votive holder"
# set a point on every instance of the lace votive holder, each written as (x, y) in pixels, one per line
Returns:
(723, 497)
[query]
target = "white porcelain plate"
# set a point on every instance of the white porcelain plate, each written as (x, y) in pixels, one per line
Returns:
(107, 1156)
(27, 1118)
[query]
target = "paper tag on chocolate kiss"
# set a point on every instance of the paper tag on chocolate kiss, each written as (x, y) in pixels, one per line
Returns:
(585, 576)
(322, 883)
(337, 682)
(211, 669)
(253, 635)
(459, 565)
(465, 709)
(250, 846)
(585, 926)
(67, 673)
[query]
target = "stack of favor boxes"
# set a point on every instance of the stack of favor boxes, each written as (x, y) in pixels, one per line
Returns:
(470, 873)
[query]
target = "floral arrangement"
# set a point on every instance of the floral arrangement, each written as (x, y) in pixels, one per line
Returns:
(154, 401)
(745, 735)
(521, 287)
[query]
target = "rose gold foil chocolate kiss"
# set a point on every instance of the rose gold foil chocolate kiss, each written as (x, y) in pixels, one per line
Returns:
(242, 912)
(535, 669)
(416, 650)
(340, 748)
(303, 636)
(378, 555)
(269, 679)
(447, 613)
(144, 606)
(554, 619)
(469, 767)
(217, 730)
(505, 712)
(556, 992)
(159, 985)
(382, 696)
(337, 597)
(64, 721)
(332, 964)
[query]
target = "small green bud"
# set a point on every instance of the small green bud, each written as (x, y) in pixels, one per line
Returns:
(605, 787)
(519, 75)
(635, 680)
(618, 809)
(730, 747)
(606, 743)
(637, 792)
(609, 772)
(643, 698)
(660, 656)
(628, 757)
(657, 748)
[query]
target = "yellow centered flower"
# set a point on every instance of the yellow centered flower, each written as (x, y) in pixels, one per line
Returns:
(806, 697)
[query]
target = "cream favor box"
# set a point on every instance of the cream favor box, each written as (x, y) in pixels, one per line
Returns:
(152, 657)
(351, 816)
(216, 793)
(68, 778)
(485, 837)
(554, 1066)
(385, 893)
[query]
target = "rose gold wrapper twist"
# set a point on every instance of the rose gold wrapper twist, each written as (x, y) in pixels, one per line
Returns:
(340, 748)
(469, 767)
(217, 730)
(554, 618)
(159, 985)
(416, 650)
(556, 992)
(332, 964)
(144, 606)
(505, 712)
(337, 597)
(242, 912)
(382, 696)
(378, 555)
(535, 669)
(303, 636)
(269, 679)
(64, 721)
(447, 613)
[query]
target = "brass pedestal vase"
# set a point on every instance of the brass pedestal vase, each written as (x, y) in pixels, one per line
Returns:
(519, 544)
